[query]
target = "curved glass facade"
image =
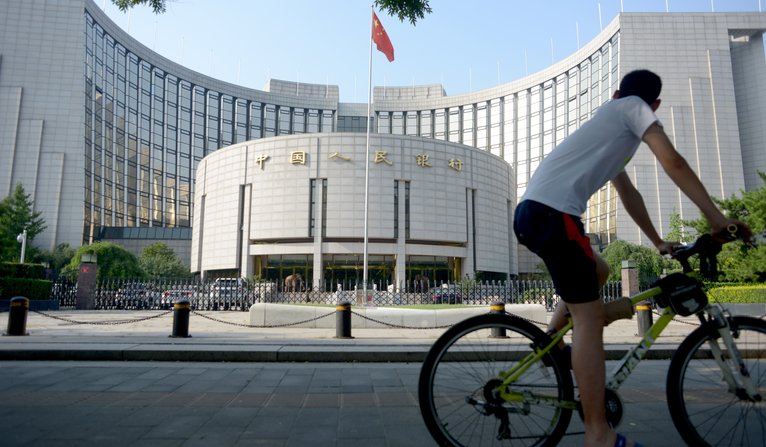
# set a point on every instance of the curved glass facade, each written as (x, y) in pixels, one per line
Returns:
(146, 130)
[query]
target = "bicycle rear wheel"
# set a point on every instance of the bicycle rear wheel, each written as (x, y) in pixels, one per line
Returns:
(704, 410)
(460, 372)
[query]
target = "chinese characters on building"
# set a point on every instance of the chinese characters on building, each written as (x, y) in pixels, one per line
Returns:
(422, 160)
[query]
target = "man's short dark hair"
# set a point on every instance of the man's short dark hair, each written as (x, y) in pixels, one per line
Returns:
(641, 83)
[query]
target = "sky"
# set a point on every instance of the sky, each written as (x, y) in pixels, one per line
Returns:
(464, 45)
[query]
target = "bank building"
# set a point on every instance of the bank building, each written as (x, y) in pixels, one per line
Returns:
(115, 142)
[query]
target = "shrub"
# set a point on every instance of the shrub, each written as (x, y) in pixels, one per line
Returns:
(15, 270)
(34, 289)
(738, 294)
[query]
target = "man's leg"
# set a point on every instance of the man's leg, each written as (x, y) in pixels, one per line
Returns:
(559, 316)
(588, 363)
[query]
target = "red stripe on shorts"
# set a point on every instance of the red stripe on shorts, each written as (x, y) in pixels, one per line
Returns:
(573, 233)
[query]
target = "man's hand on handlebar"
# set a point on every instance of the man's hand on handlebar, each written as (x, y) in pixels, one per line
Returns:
(730, 230)
(667, 247)
(707, 246)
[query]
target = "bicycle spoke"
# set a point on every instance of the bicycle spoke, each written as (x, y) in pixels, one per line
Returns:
(704, 408)
(460, 380)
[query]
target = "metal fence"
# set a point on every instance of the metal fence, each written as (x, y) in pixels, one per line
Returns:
(238, 294)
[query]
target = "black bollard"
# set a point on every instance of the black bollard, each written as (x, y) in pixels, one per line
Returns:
(343, 320)
(498, 307)
(645, 319)
(181, 311)
(17, 316)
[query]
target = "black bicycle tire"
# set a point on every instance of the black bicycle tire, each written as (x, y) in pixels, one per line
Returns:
(521, 327)
(688, 351)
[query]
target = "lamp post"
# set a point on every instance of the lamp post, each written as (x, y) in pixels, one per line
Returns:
(22, 239)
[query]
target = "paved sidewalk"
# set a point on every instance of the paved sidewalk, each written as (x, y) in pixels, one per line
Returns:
(229, 404)
(228, 336)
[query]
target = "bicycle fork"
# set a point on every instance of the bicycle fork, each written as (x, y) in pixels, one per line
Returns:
(743, 388)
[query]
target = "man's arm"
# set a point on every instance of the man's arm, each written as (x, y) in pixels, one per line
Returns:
(634, 205)
(682, 175)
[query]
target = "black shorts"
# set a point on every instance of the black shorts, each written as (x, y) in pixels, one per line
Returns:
(560, 240)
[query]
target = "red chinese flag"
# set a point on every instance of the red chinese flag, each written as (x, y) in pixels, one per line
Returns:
(380, 37)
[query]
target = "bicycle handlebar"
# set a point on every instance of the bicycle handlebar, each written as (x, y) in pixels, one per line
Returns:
(707, 248)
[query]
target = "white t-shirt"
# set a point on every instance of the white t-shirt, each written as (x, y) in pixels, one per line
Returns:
(591, 156)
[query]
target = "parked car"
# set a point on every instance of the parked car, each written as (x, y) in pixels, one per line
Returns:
(227, 287)
(227, 293)
(445, 294)
(136, 295)
(170, 296)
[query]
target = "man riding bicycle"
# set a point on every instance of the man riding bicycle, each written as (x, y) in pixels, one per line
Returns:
(547, 222)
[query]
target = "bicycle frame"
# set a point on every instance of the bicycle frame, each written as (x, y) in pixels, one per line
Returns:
(620, 374)
(633, 357)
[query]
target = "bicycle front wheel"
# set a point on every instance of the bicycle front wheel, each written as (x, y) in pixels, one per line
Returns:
(704, 410)
(460, 376)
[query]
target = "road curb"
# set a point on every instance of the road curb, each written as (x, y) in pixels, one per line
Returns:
(287, 354)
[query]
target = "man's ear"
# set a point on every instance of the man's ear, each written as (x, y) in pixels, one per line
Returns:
(655, 105)
(616, 94)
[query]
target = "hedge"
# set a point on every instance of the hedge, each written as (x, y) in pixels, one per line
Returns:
(738, 294)
(34, 289)
(15, 270)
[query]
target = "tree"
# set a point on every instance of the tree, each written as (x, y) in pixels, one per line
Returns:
(677, 229)
(649, 262)
(57, 259)
(411, 10)
(113, 261)
(16, 215)
(737, 262)
(405, 9)
(160, 261)
(158, 6)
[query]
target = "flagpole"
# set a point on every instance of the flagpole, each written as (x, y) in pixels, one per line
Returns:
(367, 162)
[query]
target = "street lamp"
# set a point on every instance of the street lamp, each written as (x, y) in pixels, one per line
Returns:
(22, 239)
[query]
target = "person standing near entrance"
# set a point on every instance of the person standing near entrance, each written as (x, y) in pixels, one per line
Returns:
(547, 222)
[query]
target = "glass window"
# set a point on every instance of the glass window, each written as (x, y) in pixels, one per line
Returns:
(384, 122)
(426, 123)
(299, 121)
(198, 125)
(227, 120)
(397, 123)
(256, 117)
(284, 120)
(240, 121)
(481, 126)
(313, 121)
(454, 124)
(509, 129)
(440, 125)
(213, 120)
(412, 123)
(495, 126)
(468, 125)
(270, 120)
(327, 121)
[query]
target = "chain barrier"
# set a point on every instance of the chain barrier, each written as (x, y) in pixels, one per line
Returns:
(102, 323)
(397, 326)
(265, 326)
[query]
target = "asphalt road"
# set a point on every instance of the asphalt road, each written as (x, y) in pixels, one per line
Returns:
(73, 403)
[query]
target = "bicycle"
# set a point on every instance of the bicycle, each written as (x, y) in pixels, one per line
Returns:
(498, 379)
